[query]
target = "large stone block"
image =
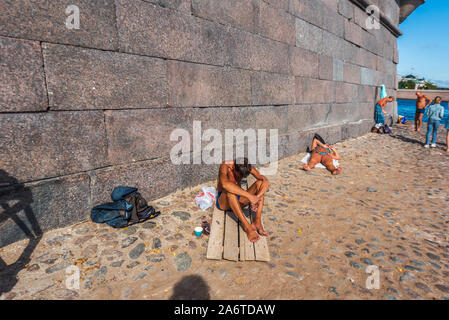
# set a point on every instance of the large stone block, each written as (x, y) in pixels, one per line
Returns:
(276, 24)
(237, 13)
(135, 135)
(147, 29)
(368, 77)
(131, 133)
(308, 36)
(368, 94)
(23, 84)
(153, 178)
(332, 4)
(346, 8)
(194, 174)
(238, 48)
(366, 110)
(352, 73)
(314, 91)
(326, 67)
(338, 70)
(181, 5)
(303, 117)
(333, 46)
(351, 53)
(204, 85)
(372, 44)
(354, 33)
(42, 145)
(80, 78)
(396, 56)
(294, 143)
(356, 129)
(272, 88)
(367, 59)
(332, 21)
(269, 55)
(28, 210)
(311, 11)
(346, 92)
(303, 62)
(45, 20)
(330, 133)
(249, 51)
(343, 112)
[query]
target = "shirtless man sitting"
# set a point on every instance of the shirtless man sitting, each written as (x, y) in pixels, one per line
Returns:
(421, 105)
(232, 197)
(324, 154)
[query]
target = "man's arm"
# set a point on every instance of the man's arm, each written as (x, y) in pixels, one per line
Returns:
(258, 176)
(335, 154)
(428, 99)
(232, 187)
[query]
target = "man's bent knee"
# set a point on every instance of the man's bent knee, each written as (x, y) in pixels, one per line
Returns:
(231, 197)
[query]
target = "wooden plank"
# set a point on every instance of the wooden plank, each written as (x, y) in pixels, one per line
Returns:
(215, 245)
(242, 237)
(231, 240)
(261, 249)
(248, 247)
(261, 252)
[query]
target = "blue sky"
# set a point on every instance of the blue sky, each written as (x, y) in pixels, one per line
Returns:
(424, 45)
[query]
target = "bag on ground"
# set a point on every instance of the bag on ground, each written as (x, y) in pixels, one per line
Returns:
(128, 207)
(206, 198)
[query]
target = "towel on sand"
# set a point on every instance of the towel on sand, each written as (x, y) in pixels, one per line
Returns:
(306, 160)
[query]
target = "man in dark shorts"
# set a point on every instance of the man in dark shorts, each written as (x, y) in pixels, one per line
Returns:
(421, 105)
(232, 197)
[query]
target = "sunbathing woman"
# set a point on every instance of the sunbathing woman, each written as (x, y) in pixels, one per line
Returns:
(324, 154)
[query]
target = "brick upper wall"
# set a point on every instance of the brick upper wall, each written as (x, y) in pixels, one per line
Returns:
(82, 111)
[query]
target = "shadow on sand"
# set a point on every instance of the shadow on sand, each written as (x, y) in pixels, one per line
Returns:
(191, 288)
(15, 198)
(407, 139)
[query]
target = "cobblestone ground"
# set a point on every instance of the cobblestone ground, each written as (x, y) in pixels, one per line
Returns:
(389, 208)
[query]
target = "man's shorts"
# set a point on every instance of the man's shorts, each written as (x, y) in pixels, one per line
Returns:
(218, 197)
(421, 110)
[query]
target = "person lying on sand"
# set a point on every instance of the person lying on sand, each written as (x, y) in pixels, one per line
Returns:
(232, 197)
(324, 154)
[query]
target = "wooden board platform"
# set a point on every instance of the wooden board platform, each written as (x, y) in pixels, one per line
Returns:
(227, 240)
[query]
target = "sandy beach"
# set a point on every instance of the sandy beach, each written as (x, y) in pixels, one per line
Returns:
(389, 208)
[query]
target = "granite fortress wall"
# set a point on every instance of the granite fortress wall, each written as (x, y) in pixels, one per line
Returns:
(82, 111)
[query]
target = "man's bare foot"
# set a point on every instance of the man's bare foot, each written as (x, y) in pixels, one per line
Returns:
(258, 227)
(252, 235)
(306, 167)
(338, 171)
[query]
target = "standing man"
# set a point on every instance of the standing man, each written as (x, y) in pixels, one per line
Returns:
(379, 110)
(232, 197)
(421, 105)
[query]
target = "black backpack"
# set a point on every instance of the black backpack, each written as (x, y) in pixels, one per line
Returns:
(140, 209)
(129, 207)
